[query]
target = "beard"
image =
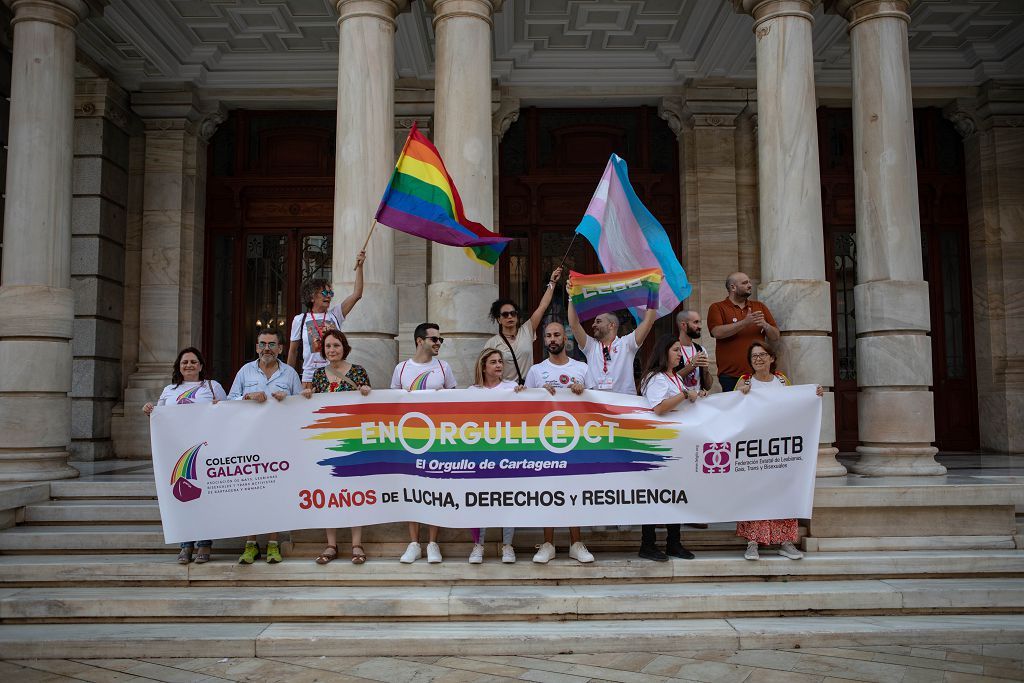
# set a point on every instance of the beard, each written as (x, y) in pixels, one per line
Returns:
(692, 334)
(555, 349)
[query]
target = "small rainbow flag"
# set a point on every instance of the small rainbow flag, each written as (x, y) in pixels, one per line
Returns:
(185, 468)
(596, 294)
(421, 200)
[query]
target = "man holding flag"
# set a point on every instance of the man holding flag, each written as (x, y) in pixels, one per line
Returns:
(610, 357)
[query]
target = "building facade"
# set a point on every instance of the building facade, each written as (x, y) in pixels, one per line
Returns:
(176, 169)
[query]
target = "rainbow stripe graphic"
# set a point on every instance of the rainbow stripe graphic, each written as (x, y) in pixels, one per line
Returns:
(420, 382)
(421, 200)
(596, 294)
(385, 438)
(189, 396)
(185, 468)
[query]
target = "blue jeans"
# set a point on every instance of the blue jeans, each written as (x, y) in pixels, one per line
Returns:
(201, 544)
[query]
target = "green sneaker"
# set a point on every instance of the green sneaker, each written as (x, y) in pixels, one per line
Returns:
(273, 553)
(250, 554)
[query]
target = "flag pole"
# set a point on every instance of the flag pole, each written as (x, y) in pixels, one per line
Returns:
(562, 262)
(373, 225)
(368, 236)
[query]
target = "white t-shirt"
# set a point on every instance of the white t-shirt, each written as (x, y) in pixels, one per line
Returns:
(523, 345)
(547, 374)
(504, 385)
(412, 376)
(331, 319)
(615, 373)
(660, 387)
(192, 392)
(777, 381)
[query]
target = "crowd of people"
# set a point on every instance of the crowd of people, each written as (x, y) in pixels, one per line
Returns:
(677, 371)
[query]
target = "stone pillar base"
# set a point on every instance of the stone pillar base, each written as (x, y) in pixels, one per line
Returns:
(460, 309)
(828, 466)
(897, 461)
(35, 466)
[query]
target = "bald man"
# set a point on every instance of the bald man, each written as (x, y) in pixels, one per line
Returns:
(735, 323)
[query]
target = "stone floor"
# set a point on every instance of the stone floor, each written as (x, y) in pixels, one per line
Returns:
(889, 664)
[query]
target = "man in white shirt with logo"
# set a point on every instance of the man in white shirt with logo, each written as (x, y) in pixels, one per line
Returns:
(558, 371)
(610, 357)
(423, 371)
(694, 368)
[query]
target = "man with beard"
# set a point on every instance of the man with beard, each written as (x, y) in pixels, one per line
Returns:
(257, 381)
(558, 371)
(735, 323)
(694, 367)
(609, 356)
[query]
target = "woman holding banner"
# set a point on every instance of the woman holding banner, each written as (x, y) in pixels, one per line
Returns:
(665, 392)
(761, 358)
(339, 375)
(488, 377)
(189, 384)
(515, 336)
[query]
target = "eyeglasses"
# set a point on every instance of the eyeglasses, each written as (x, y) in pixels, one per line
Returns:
(266, 345)
(509, 314)
(758, 356)
(435, 340)
(327, 293)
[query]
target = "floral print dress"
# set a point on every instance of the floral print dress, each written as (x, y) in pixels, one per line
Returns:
(356, 374)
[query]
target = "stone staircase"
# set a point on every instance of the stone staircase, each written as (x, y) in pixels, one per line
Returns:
(84, 572)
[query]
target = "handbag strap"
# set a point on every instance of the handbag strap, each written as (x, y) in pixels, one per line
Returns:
(515, 362)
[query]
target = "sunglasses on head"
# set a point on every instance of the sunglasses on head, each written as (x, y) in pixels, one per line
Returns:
(509, 314)
(435, 340)
(327, 293)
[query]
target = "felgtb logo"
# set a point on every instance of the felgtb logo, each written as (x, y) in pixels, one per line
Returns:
(717, 458)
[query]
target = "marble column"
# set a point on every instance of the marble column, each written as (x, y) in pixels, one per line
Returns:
(895, 414)
(363, 164)
(461, 290)
(37, 307)
(171, 251)
(789, 189)
(993, 129)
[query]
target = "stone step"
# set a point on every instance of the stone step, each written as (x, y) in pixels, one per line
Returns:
(120, 486)
(489, 602)
(161, 569)
(91, 511)
(206, 639)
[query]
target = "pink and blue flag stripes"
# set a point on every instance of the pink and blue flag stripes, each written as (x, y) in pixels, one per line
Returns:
(626, 236)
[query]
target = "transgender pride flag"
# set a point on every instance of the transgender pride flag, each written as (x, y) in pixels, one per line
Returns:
(626, 236)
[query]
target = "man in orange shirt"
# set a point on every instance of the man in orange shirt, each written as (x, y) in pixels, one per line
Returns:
(735, 323)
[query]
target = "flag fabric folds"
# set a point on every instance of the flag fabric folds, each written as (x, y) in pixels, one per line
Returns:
(421, 200)
(626, 236)
(596, 294)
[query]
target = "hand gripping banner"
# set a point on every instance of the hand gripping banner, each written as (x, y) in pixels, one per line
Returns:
(465, 458)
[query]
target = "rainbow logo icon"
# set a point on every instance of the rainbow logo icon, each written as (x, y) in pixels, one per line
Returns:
(420, 382)
(454, 440)
(188, 396)
(184, 473)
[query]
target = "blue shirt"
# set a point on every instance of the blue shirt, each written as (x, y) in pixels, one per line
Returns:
(251, 379)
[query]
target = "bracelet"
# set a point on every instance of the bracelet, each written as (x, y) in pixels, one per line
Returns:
(551, 284)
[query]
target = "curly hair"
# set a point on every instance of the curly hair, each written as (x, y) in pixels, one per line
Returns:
(311, 287)
(496, 307)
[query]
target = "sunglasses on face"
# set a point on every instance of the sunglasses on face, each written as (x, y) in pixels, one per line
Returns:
(327, 293)
(267, 345)
(509, 314)
(435, 340)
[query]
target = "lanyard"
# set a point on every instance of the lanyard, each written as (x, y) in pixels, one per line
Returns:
(324, 321)
(606, 353)
(675, 380)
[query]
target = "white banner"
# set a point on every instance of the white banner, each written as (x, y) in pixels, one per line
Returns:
(465, 458)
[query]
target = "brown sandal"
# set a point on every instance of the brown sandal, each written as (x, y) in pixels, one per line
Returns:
(329, 553)
(203, 555)
(358, 557)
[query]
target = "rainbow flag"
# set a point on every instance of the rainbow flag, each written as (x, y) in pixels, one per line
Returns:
(596, 294)
(421, 200)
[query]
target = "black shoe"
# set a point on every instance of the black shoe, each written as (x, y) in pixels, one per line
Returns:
(653, 554)
(678, 551)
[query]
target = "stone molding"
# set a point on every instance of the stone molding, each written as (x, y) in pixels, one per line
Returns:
(506, 114)
(963, 116)
(859, 11)
(474, 9)
(385, 10)
(102, 98)
(766, 10)
(674, 112)
(63, 13)
(178, 110)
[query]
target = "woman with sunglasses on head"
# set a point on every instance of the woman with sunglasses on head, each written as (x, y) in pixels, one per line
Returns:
(189, 384)
(339, 375)
(488, 371)
(309, 328)
(515, 336)
(761, 357)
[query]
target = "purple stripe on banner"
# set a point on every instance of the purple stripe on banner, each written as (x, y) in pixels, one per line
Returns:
(371, 469)
(612, 301)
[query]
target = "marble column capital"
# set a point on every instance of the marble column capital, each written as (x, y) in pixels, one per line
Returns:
(997, 106)
(385, 10)
(963, 115)
(210, 122)
(65, 13)
(674, 112)
(168, 110)
(859, 11)
(102, 98)
(506, 114)
(765, 10)
(474, 9)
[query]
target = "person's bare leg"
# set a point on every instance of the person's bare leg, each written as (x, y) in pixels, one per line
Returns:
(332, 537)
(574, 535)
(357, 536)
(549, 535)
(432, 533)
(414, 532)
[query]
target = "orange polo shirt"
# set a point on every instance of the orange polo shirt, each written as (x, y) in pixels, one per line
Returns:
(731, 353)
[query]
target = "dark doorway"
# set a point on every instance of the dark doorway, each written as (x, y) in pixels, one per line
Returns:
(946, 260)
(550, 163)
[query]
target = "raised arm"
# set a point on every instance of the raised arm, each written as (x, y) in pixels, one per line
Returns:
(577, 328)
(545, 300)
(357, 289)
(646, 325)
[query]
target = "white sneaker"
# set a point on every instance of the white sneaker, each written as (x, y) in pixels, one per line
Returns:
(579, 552)
(411, 554)
(545, 554)
(433, 553)
(787, 549)
(751, 553)
(508, 554)
(476, 556)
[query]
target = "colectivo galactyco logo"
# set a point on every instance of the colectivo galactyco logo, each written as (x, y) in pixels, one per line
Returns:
(184, 473)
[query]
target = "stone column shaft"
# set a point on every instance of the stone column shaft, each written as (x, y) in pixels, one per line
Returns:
(789, 188)
(36, 301)
(363, 164)
(461, 291)
(896, 419)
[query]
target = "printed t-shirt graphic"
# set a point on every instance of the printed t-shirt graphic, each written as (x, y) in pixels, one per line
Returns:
(191, 392)
(315, 326)
(614, 373)
(547, 373)
(413, 376)
(691, 380)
